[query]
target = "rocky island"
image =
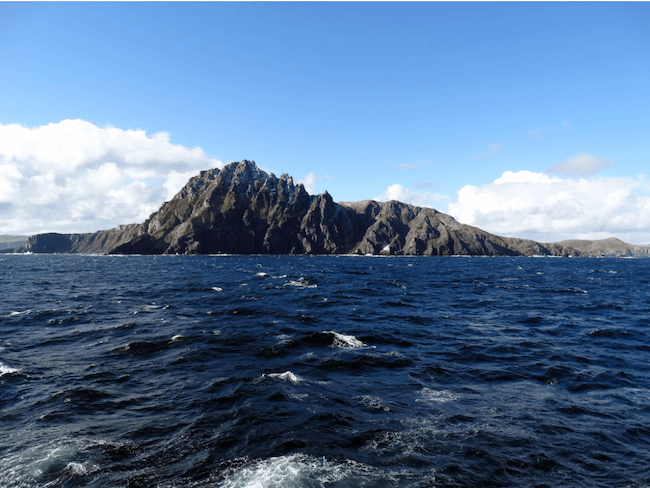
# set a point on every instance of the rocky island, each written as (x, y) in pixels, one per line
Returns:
(241, 209)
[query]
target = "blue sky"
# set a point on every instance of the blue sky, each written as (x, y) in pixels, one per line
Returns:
(524, 119)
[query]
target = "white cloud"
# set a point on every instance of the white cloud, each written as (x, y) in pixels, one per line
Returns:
(401, 194)
(73, 176)
(581, 165)
(550, 208)
(309, 181)
(492, 150)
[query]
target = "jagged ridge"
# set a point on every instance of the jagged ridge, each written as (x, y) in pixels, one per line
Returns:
(243, 210)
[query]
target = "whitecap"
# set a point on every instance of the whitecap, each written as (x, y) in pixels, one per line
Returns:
(372, 402)
(178, 337)
(14, 314)
(342, 340)
(216, 288)
(295, 471)
(26, 467)
(438, 396)
(301, 283)
(76, 468)
(4, 369)
(286, 376)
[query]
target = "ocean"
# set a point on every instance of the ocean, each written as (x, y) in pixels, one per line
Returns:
(324, 371)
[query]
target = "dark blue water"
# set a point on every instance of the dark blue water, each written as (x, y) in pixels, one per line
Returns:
(259, 371)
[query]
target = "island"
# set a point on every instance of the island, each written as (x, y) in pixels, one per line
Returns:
(241, 209)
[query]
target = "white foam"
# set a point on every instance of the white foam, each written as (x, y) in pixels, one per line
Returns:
(26, 312)
(438, 396)
(294, 471)
(26, 467)
(301, 283)
(342, 340)
(4, 369)
(216, 288)
(286, 376)
(76, 468)
(177, 337)
(372, 402)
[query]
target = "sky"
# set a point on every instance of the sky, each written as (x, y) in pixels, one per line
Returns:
(528, 119)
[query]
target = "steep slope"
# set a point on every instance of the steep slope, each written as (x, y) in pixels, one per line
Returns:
(239, 209)
(101, 242)
(610, 247)
(243, 210)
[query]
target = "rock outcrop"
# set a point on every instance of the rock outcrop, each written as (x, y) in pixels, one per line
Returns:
(101, 242)
(8, 243)
(609, 248)
(243, 210)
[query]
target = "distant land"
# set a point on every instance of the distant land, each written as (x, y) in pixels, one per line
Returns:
(241, 209)
(10, 242)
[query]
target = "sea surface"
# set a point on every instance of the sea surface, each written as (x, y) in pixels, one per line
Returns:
(324, 371)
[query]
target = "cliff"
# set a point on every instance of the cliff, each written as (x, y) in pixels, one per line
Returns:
(8, 242)
(610, 247)
(101, 242)
(243, 210)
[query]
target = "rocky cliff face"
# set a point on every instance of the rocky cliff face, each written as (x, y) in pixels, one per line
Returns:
(611, 247)
(101, 242)
(243, 210)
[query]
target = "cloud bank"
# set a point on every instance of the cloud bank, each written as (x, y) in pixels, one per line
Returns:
(549, 208)
(73, 176)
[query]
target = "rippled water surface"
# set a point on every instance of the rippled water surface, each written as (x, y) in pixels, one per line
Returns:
(268, 371)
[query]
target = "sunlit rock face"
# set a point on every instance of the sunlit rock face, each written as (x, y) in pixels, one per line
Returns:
(241, 209)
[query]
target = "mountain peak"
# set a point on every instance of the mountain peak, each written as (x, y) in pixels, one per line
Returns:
(241, 209)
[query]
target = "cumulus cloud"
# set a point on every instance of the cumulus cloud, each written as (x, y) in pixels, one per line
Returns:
(581, 165)
(493, 150)
(550, 208)
(401, 194)
(310, 181)
(73, 176)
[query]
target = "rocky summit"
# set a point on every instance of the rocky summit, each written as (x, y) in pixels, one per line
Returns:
(241, 209)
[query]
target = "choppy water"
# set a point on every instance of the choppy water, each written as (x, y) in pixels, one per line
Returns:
(260, 371)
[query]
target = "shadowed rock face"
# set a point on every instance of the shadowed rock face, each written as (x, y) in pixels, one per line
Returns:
(243, 210)
(610, 247)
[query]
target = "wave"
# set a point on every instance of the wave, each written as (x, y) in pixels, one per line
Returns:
(17, 314)
(287, 376)
(4, 369)
(437, 396)
(302, 471)
(346, 341)
(301, 283)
